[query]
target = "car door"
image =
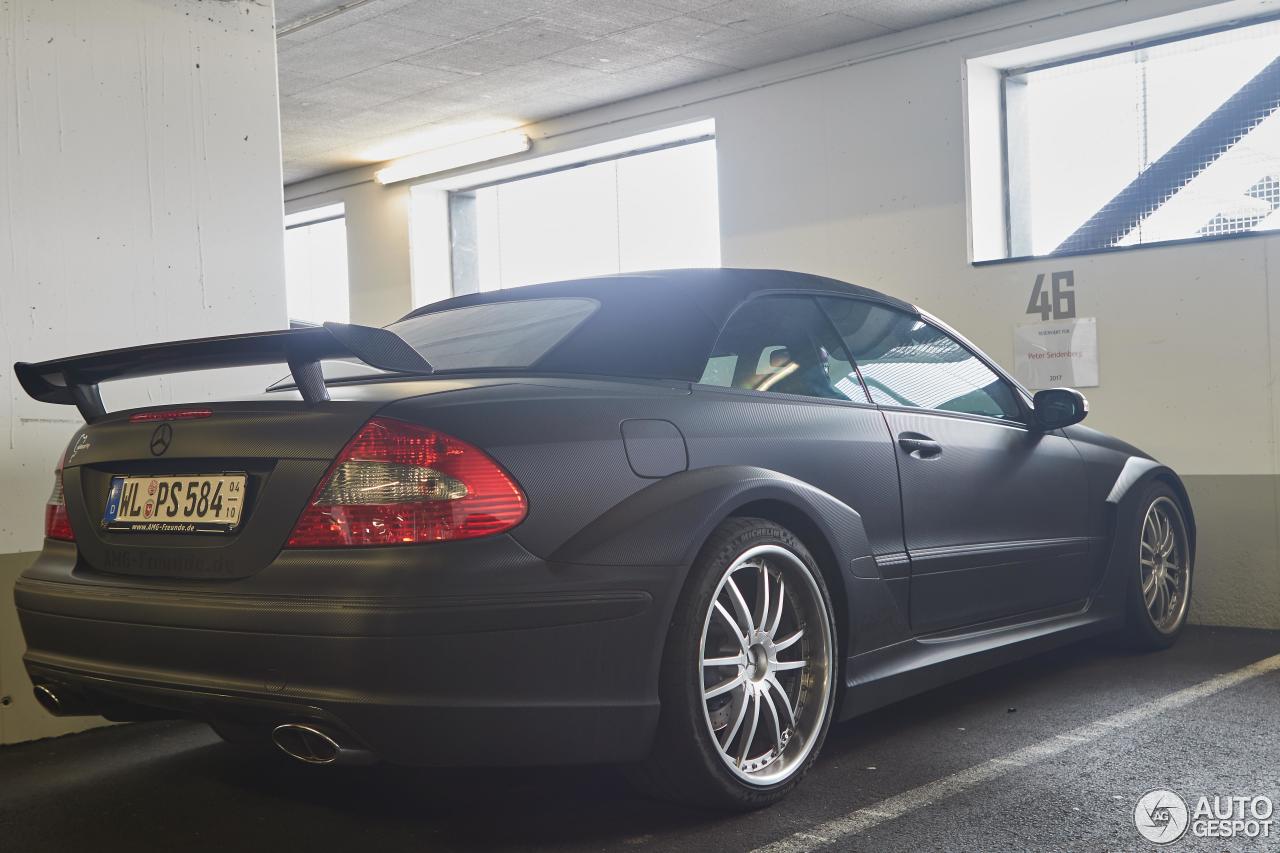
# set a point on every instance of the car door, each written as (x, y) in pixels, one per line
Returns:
(995, 513)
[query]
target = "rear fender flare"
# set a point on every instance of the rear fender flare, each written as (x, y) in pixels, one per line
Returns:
(667, 524)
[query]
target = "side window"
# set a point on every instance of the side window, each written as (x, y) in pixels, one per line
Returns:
(908, 362)
(783, 344)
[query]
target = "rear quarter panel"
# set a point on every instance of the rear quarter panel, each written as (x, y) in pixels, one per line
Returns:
(563, 442)
(560, 439)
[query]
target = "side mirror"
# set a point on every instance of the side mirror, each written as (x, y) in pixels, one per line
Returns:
(1055, 408)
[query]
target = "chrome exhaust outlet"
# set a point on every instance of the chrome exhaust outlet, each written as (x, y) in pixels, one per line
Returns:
(311, 745)
(61, 702)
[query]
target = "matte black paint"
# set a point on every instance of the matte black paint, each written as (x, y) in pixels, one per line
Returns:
(543, 645)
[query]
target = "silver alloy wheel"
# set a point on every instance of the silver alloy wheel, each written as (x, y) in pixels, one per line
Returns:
(1164, 565)
(766, 663)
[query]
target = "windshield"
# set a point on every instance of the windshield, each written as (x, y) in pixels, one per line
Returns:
(494, 335)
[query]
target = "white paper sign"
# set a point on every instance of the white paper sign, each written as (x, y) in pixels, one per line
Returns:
(1057, 353)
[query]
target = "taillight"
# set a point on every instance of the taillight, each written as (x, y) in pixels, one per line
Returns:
(397, 483)
(56, 523)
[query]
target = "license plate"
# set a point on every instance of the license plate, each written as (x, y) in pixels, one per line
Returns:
(199, 503)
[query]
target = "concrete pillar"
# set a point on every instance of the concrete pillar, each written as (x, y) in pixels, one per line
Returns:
(140, 200)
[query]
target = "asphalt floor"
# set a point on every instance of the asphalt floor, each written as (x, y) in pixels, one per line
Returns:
(174, 786)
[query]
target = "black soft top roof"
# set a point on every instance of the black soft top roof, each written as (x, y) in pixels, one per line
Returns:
(660, 324)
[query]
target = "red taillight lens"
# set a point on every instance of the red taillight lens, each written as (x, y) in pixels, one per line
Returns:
(397, 483)
(56, 523)
(170, 415)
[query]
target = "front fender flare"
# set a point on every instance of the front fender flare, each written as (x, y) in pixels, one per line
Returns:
(1134, 476)
(1137, 472)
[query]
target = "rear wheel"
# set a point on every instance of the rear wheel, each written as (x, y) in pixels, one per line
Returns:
(748, 674)
(1160, 578)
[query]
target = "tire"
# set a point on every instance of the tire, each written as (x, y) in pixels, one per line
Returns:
(749, 745)
(1160, 571)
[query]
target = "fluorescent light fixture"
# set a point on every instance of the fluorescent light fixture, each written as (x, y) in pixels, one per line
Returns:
(453, 157)
(523, 167)
(434, 136)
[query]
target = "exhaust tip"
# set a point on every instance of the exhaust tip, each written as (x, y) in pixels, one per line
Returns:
(306, 743)
(48, 700)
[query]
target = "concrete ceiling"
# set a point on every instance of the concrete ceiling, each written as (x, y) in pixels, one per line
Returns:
(366, 80)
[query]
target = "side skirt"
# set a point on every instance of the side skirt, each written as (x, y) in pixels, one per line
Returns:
(895, 672)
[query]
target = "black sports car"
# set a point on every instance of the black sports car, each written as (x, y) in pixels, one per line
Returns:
(677, 520)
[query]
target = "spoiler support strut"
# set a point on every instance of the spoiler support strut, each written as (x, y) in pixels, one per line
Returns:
(74, 381)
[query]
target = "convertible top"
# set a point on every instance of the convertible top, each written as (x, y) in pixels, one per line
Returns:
(660, 324)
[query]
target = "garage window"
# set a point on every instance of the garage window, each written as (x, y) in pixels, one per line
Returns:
(652, 209)
(315, 265)
(1172, 141)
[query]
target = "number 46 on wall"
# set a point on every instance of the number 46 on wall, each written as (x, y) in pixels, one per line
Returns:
(1059, 301)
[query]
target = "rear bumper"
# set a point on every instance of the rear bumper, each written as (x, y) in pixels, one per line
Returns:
(469, 653)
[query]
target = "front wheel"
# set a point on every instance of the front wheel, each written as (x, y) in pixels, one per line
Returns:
(1159, 585)
(748, 673)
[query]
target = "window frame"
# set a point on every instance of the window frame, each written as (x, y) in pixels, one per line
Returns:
(1006, 181)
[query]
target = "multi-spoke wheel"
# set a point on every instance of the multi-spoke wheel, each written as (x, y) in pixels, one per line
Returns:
(1162, 582)
(1165, 568)
(759, 669)
(748, 673)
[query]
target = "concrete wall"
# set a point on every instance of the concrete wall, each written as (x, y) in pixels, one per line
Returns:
(852, 163)
(139, 201)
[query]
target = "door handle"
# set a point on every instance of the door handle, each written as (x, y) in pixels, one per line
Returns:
(919, 446)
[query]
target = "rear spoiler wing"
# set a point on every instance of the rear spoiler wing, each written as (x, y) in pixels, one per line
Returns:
(74, 381)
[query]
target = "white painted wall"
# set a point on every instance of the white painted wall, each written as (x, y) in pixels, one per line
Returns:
(139, 201)
(851, 163)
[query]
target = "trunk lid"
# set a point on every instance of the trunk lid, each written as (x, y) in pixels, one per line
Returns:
(282, 444)
(283, 448)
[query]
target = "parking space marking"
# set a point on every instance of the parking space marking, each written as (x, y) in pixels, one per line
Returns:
(928, 794)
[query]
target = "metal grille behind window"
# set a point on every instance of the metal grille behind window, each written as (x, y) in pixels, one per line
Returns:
(1172, 141)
